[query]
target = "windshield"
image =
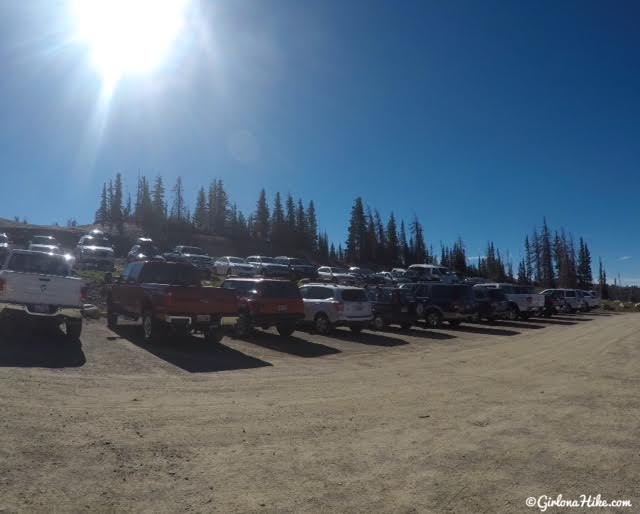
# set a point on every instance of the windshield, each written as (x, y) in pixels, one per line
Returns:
(193, 249)
(170, 274)
(149, 249)
(299, 262)
(43, 240)
(354, 295)
(338, 270)
(39, 263)
(268, 260)
(97, 241)
(236, 260)
(287, 290)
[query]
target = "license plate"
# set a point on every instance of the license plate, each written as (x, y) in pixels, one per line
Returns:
(282, 308)
(203, 317)
(41, 308)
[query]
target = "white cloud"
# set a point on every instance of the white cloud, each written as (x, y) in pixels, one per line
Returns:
(474, 258)
(625, 258)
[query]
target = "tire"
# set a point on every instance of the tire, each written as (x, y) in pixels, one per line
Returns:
(73, 330)
(513, 313)
(379, 323)
(491, 319)
(356, 329)
(150, 327)
(433, 319)
(323, 325)
(112, 317)
(214, 334)
(454, 322)
(285, 329)
(524, 315)
(406, 325)
(243, 326)
(585, 307)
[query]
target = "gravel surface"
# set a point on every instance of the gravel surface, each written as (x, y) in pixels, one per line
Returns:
(465, 420)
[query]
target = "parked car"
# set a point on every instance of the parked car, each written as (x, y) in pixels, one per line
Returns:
(392, 306)
(268, 267)
(193, 255)
(333, 305)
(429, 273)
(589, 301)
(398, 272)
(43, 240)
(524, 302)
(168, 298)
(95, 251)
(338, 275)
(266, 303)
(143, 250)
(233, 266)
(39, 286)
(437, 302)
(4, 247)
(595, 299)
(492, 303)
(565, 300)
(300, 268)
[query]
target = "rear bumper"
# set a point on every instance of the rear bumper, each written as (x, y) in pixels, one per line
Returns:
(195, 321)
(274, 319)
(55, 311)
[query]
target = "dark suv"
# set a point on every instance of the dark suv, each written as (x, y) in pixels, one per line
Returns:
(266, 303)
(300, 268)
(392, 306)
(437, 302)
(492, 303)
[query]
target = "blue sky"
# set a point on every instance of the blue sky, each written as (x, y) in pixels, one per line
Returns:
(479, 117)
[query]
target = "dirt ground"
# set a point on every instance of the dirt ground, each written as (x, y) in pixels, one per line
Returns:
(466, 420)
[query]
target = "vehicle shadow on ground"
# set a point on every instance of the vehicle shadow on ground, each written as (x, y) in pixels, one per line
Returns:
(368, 338)
(192, 353)
(552, 321)
(512, 324)
(28, 349)
(575, 317)
(424, 332)
(471, 329)
(292, 345)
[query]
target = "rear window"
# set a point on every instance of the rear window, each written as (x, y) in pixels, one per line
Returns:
(280, 290)
(39, 263)
(354, 295)
(170, 274)
(452, 292)
(244, 287)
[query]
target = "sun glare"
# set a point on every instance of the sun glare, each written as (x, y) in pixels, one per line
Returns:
(128, 36)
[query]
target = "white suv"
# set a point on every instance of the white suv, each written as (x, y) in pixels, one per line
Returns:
(328, 305)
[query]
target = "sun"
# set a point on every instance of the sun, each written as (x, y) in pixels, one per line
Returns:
(128, 36)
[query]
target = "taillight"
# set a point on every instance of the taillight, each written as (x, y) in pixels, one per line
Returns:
(84, 292)
(2, 285)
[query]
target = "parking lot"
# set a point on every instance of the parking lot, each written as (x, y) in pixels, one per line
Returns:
(472, 419)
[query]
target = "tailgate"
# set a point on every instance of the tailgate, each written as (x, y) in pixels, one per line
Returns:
(201, 300)
(357, 309)
(31, 288)
(280, 306)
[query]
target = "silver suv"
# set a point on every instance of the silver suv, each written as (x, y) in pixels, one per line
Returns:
(330, 305)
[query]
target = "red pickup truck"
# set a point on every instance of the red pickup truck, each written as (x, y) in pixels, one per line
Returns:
(169, 297)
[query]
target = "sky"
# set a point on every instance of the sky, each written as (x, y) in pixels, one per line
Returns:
(480, 118)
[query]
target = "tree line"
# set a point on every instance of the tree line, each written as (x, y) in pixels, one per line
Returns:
(289, 226)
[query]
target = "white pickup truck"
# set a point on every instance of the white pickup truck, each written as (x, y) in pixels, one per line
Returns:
(523, 300)
(38, 286)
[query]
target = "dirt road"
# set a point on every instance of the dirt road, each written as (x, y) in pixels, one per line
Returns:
(473, 420)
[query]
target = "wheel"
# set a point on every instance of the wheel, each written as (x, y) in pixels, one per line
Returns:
(406, 325)
(433, 319)
(73, 329)
(112, 317)
(420, 310)
(323, 325)
(585, 307)
(379, 323)
(356, 329)
(243, 326)
(455, 322)
(524, 315)
(512, 314)
(285, 329)
(150, 327)
(214, 334)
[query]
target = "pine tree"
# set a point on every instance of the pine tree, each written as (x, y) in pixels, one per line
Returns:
(178, 208)
(301, 228)
(356, 233)
(419, 248)
(522, 272)
(200, 214)
(116, 216)
(404, 246)
(392, 251)
(528, 260)
(312, 229)
(128, 212)
(158, 205)
(101, 213)
(278, 227)
(547, 278)
(261, 218)
(290, 220)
